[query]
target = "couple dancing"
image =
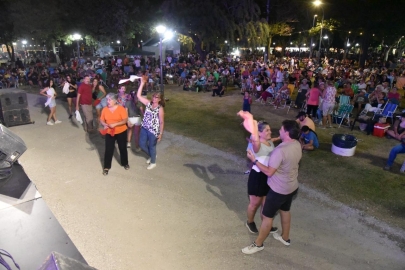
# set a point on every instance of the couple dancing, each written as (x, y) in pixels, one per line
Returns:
(273, 181)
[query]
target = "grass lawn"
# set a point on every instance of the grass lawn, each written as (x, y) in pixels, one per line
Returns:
(357, 181)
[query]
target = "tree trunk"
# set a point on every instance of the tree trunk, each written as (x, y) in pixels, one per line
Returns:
(364, 49)
(400, 51)
(268, 46)
(11, 54)
(53, 47)
(387, 53)
(198, 48)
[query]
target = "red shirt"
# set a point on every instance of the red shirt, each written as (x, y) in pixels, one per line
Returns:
(394, 96)
(85, 91)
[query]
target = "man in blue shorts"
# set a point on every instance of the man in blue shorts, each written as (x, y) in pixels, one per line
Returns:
(282, 172)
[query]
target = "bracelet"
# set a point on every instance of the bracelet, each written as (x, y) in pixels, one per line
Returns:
(254, 162)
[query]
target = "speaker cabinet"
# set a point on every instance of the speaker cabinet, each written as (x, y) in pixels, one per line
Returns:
(14, 107)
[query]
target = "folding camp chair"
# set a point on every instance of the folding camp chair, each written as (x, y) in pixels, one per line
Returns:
(343, 113)
(388, 111)
(344, 100)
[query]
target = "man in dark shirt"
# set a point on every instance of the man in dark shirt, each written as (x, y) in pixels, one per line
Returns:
(84, 98)
(19, 63)
(32, 77)
(218, 89)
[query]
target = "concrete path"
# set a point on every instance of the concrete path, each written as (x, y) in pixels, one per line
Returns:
(187, 213)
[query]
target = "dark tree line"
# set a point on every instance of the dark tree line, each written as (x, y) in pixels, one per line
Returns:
(208, 23)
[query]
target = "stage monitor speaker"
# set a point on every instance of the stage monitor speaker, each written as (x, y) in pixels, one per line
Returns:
(11, 146)
(14, 107)
(56, 261)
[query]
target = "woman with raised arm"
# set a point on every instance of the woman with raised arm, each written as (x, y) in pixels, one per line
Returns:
(152, 123)
(261, 145)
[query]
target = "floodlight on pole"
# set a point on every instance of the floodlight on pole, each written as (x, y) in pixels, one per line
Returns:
(168, 35)
(160, 29)
(318, 3)
(77, 37)
(313, 25)
(164, 34)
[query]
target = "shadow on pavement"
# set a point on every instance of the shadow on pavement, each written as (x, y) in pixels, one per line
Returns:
(230, 192)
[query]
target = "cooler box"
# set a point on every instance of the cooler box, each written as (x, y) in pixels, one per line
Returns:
(380, 129)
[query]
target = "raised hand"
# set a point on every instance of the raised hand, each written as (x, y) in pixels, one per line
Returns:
(248, 122)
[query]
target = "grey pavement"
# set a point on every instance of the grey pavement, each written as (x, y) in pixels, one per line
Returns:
(188, 212)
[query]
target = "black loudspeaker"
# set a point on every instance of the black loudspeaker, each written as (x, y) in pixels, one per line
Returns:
(56, 261)
(14, 107)
(11, 148)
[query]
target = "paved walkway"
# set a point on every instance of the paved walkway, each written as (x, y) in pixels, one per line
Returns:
(187, 213)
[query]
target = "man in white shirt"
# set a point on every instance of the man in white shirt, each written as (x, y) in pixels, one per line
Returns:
(137, 63)
(119, 62)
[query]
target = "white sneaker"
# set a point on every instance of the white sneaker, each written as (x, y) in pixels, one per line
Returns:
(128, 145)
(151, 166)
(49, 123)
(253, 248)
(279, 238)
(58, 122)
(148, 161)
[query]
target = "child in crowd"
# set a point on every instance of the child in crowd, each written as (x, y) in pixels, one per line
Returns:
(308, 139)
(247, 100)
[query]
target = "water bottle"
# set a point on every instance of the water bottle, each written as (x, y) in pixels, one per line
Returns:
(402, 170)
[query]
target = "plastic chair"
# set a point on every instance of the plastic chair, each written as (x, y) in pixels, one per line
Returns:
(344, 100)
(342, 113)
(388, 111)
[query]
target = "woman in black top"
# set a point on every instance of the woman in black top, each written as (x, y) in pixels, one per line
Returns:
(71, 96)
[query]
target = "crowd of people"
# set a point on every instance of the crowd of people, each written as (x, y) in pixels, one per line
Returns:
(272, 182)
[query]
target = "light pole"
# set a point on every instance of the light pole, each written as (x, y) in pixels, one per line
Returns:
(161, 29)
(310, 47)
(24, 42)
(163, 35)
(77, 37)
(318, 3)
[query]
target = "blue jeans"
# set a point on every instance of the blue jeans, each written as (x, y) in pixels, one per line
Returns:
(279, 85)
(147, 142)
(399, 149)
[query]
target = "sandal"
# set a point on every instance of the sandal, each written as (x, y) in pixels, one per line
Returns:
(126, 167)
(105, 171)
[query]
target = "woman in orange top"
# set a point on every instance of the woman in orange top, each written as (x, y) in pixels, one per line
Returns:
(113, 119)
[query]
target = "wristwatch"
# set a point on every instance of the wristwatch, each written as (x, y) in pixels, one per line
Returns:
(254, 162)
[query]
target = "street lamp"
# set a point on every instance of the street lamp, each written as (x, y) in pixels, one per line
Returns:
(77, 37)
(318, 3)
(163, 35)
(313, 25)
